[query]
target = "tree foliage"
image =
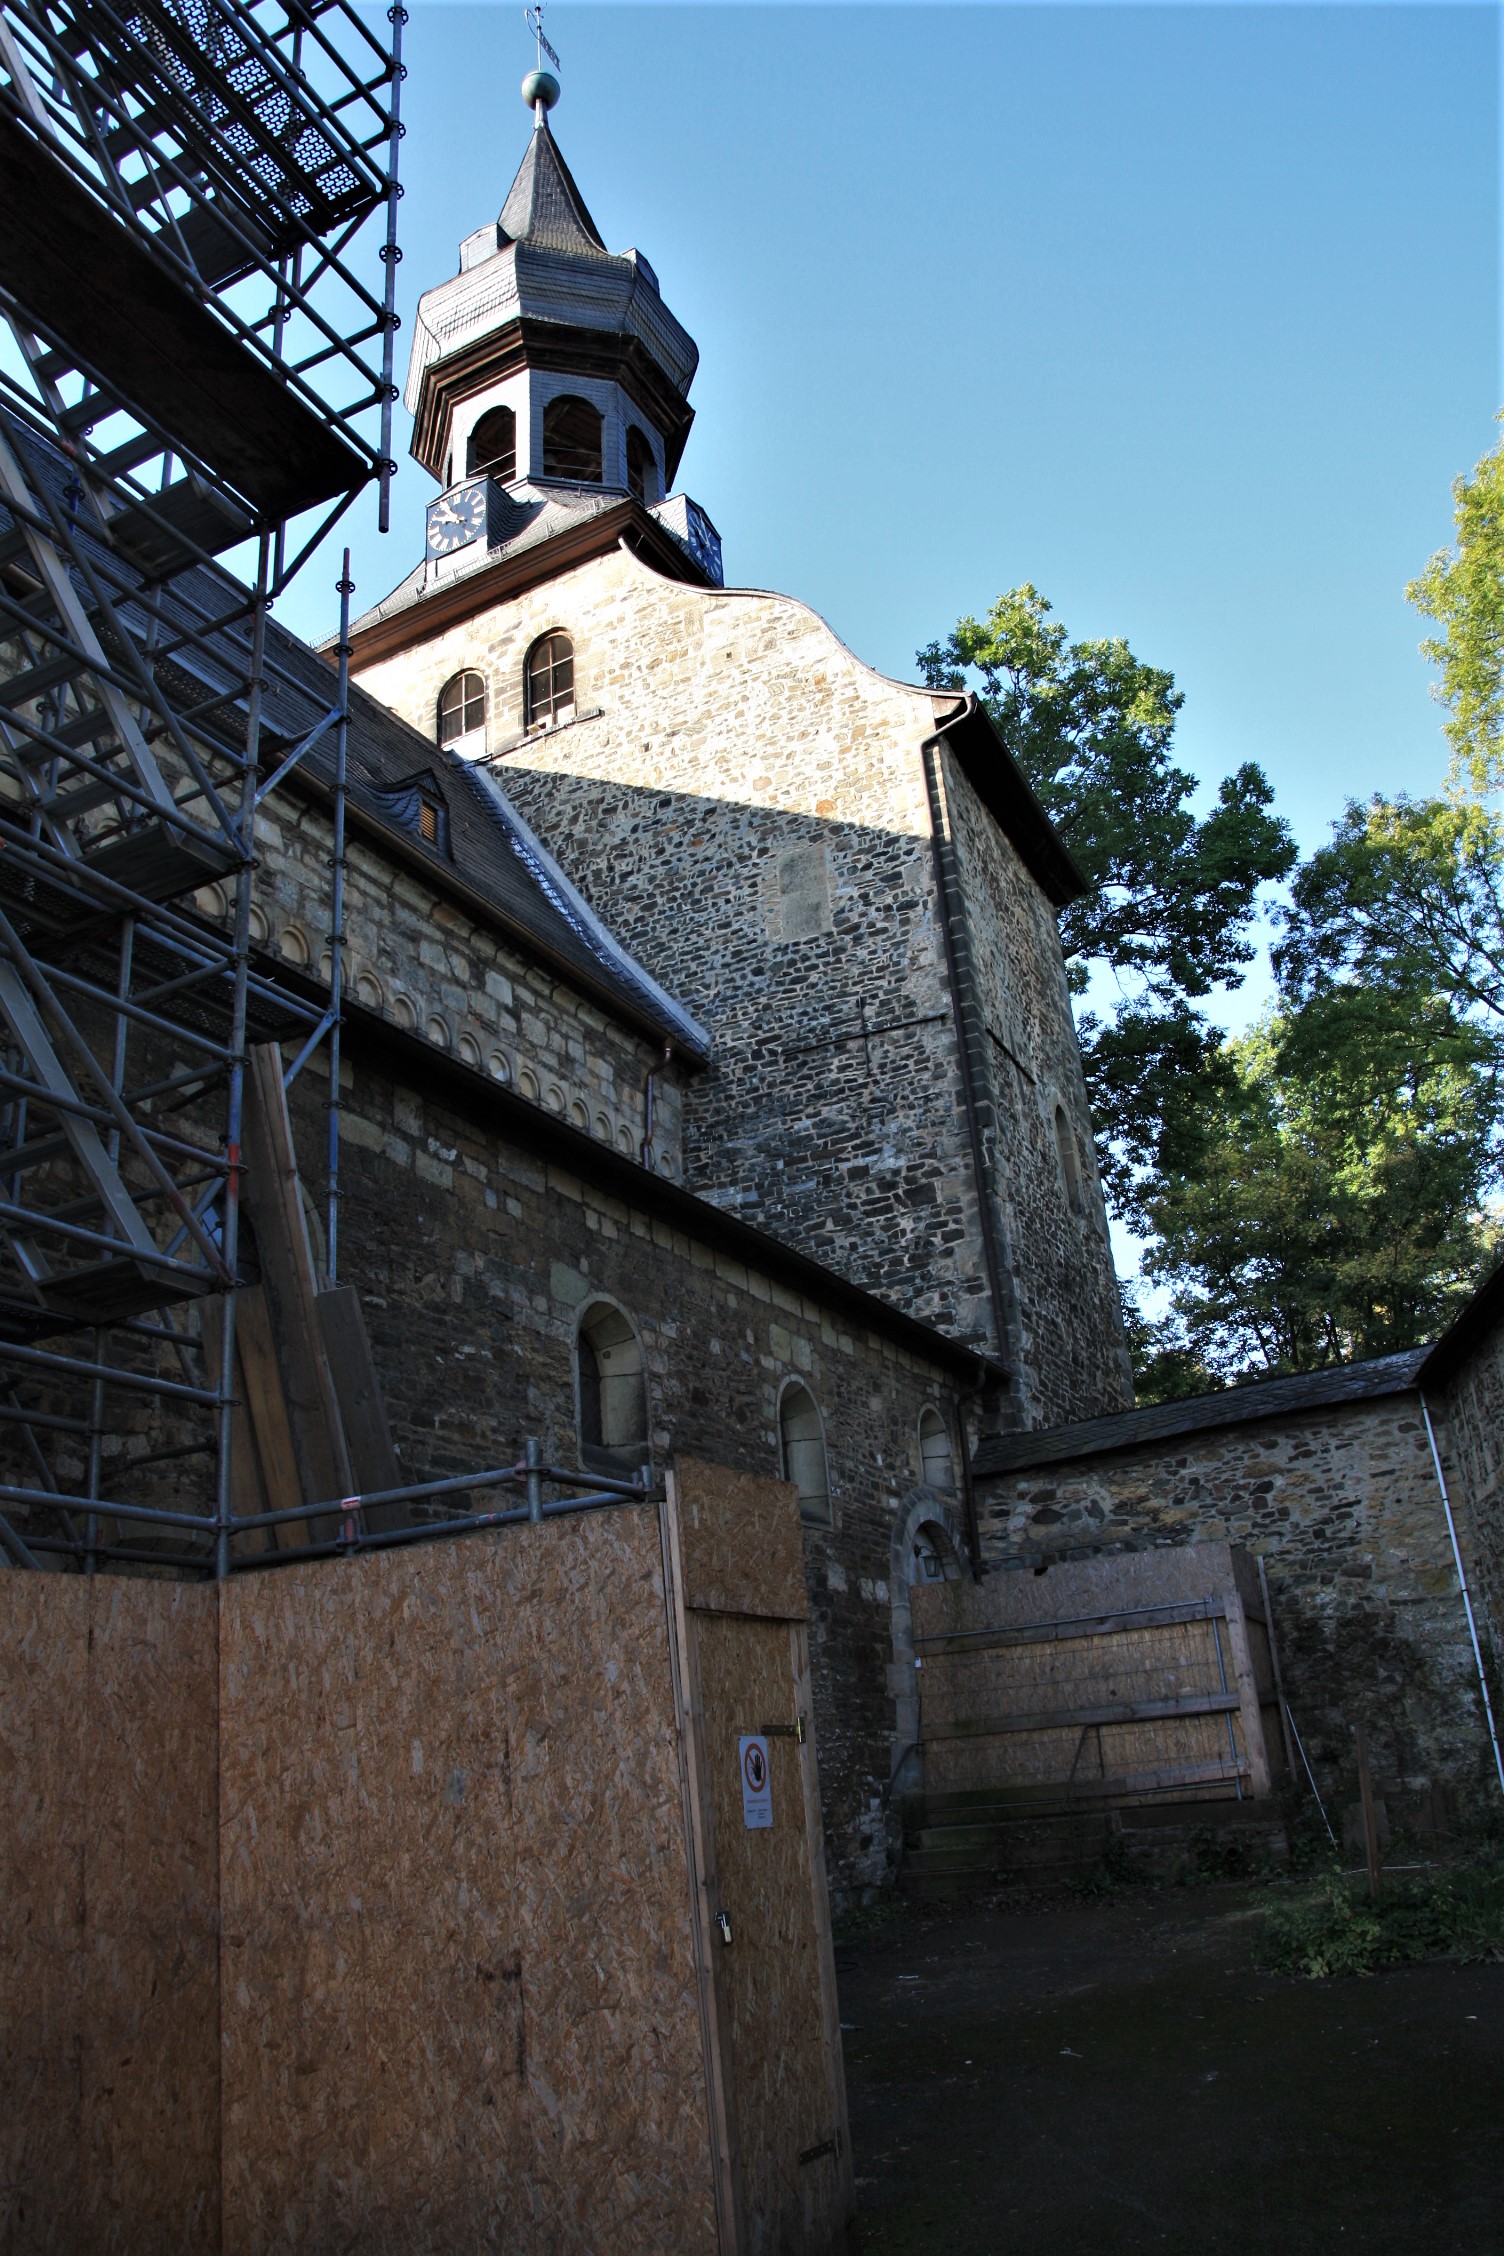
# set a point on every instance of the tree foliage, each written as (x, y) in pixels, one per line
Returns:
(1172, 896)
(1462, 589)
(1337, 1206)
(1409, 895)
(1336, 1198)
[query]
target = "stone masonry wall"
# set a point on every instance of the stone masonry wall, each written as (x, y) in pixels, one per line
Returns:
(1343, 1504)
(744, 803)
(1471, 1436)
(1069, 1317)
(475, 1262)
(430, 966)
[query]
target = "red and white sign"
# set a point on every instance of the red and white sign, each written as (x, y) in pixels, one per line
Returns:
(757, 1782)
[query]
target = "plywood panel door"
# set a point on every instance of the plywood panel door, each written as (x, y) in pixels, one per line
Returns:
(773, 1978)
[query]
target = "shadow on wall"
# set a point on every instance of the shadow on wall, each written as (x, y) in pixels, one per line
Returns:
(813, 951)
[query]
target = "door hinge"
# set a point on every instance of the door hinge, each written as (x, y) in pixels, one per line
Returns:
(794, 1730)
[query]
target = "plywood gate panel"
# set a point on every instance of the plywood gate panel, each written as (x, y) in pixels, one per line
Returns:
(741, 1546)
(1072, 1680)
(469, 2012)
(291, 1894)
(150, 2160)
(786, 2105)
(772, 2016)
(108, 1986)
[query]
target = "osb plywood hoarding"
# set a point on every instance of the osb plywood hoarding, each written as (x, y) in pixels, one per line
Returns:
(740, 1545)
(461, 2005)
(1141, 1673)
(109, 2105)
(357, 1905)
(777, 2083)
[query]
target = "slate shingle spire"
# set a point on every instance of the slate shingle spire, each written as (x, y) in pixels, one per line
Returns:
(543, 204)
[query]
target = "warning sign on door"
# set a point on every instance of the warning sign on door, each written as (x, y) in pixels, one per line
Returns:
(757, 1785)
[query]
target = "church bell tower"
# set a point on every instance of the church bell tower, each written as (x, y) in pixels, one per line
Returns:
(548, 380)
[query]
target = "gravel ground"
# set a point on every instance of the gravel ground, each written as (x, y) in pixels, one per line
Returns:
(1117, 2075)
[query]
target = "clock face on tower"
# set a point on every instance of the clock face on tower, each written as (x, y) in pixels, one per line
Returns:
(456, 518)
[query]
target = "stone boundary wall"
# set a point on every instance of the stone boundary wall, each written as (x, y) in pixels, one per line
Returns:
(1469, 1421)
(1342, 1503)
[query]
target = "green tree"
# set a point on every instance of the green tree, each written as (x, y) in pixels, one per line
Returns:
(1172, 896)
(1408, 896)
(1337, 1206)
(1462, 589)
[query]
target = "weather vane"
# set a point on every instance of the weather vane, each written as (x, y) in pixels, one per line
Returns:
(535, 25)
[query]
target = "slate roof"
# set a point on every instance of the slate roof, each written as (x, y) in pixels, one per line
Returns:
(543, 204)
(1467, 1330)
(1235, 1406)
(493, 856)
(547, 264)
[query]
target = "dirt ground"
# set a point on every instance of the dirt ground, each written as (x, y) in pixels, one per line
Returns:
(1117, 2075)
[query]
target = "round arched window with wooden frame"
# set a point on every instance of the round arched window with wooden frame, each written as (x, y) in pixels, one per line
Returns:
(462, 710)
(549, 687)
(935, 1456)
(611, 1379)
(801, 1440)
(492, 448)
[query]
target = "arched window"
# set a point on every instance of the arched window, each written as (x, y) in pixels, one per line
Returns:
(939, 1466)
(613, 1393)
(550, 682)
(493, 445)
(801, 1436)
(642, 466)
(1070, 1163)
(572, 440)
(462, 711)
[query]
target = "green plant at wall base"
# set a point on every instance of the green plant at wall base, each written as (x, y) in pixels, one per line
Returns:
(1458, 1914)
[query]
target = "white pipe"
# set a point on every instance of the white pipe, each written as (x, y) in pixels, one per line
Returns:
(1467, 1603)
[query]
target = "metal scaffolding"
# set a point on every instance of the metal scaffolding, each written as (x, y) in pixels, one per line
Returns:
(195, 362)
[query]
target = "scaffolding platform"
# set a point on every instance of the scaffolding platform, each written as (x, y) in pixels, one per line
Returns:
(90, 283)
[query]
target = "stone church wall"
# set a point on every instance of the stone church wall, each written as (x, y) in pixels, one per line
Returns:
(1342, 1503)
(744, 804)
(1054, 1220)
(427, 964)
(474, 1261)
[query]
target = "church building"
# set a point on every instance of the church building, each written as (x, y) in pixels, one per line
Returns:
(843, 880)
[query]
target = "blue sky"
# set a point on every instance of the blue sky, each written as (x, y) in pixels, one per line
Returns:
(1187, 314)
